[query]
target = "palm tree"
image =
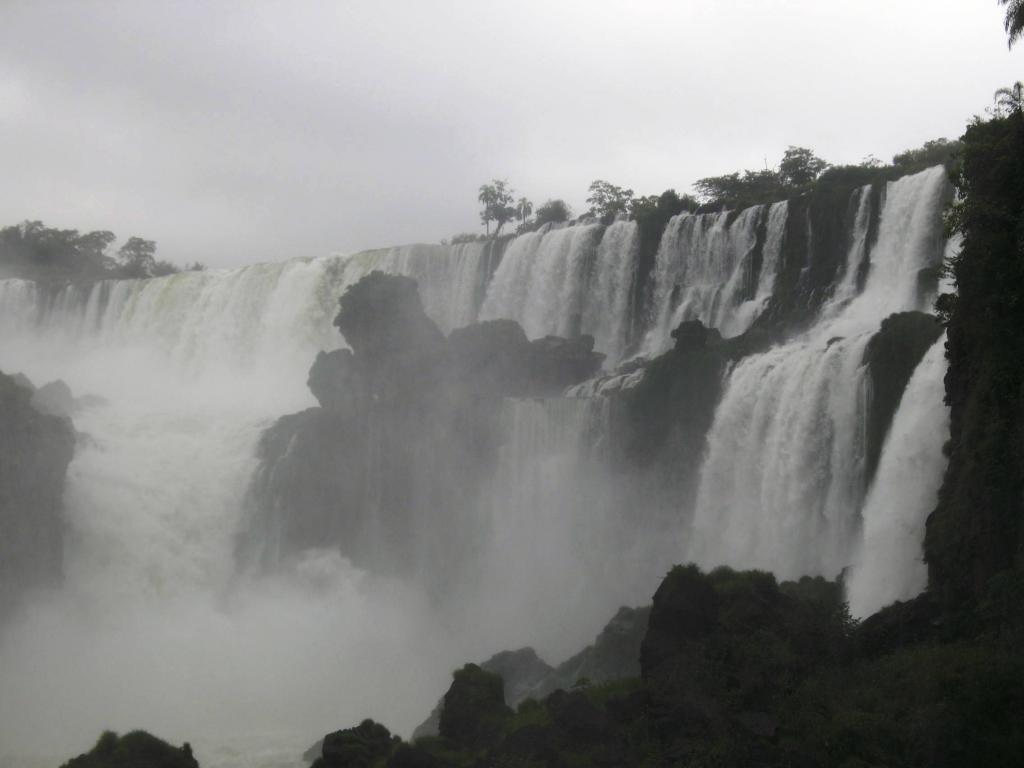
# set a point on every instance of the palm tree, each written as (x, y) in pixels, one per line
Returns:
(1010, 100)
(524, 208)
(1014, 21)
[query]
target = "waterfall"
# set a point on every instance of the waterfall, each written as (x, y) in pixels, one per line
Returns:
(554, 524)
(783, 480)
(890, 566)
(706, 270)
(195, 367)
(569, 280)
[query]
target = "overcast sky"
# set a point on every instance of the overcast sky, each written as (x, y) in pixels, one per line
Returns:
(235, 132)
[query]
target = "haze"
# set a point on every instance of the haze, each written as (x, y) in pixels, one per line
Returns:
(266, 131)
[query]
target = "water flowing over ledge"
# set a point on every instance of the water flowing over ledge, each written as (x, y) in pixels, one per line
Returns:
(195, 367)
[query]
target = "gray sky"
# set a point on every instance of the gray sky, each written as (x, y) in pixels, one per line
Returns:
(234, 132)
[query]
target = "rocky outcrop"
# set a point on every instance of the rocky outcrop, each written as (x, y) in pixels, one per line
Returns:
(137, 749)
(35, 450)
(474, 708)
(614, 654)
(522, 672)
(891, 357)
(389, 467)
(365, 746)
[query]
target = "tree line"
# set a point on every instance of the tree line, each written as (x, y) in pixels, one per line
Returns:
(798, 171)
(32, 250)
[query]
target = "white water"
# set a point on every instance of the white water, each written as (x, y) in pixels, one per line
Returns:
(153, 628)
(705, 265)
(783, 481)
(561, 552)
(571, 280)
(890, 566)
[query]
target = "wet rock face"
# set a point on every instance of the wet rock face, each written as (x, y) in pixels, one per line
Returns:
(891, 357)
(35, 450)
(405, 437)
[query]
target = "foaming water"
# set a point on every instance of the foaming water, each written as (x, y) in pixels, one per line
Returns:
(891, 565)
(705, 270)
(783, 482)
(567, 281)
(153, 628)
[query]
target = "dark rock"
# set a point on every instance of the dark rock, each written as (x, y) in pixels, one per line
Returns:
(556, 363)
(891, 356)
(382, 317)
(492, 357)
(35, 450)
(54, 399)
(137, 749)
(521, 672)
(692, 334)
(474, 708)
(685, 607)
(614, 655)
(360, 747)
(335, 381)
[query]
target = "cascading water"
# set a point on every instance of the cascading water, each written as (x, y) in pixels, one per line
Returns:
(705, 270)
(890, 566)
(154, 627)
(567, 281)
(783, 481)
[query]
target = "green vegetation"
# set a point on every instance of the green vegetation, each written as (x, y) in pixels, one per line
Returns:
(496, 199)
(552, 212)
(1014, 20)
(608, 200)
(33, 251)
(137, 749)
(975, 538)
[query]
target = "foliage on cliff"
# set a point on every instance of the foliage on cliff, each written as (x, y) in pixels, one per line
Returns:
(137, 749)
(974, 541)
(33, 251)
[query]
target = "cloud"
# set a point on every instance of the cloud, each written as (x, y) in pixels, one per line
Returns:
(235, 132)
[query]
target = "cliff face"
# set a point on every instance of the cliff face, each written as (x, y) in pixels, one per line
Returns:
(35, 450)
(974, 543)
(389, 467)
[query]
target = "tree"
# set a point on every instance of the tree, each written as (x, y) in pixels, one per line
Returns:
(523, 209)
(553, 212)
(800, 167)
(1014, 20)
(137, 257)
(1010, 100)
(496, 199)
(608, 200)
